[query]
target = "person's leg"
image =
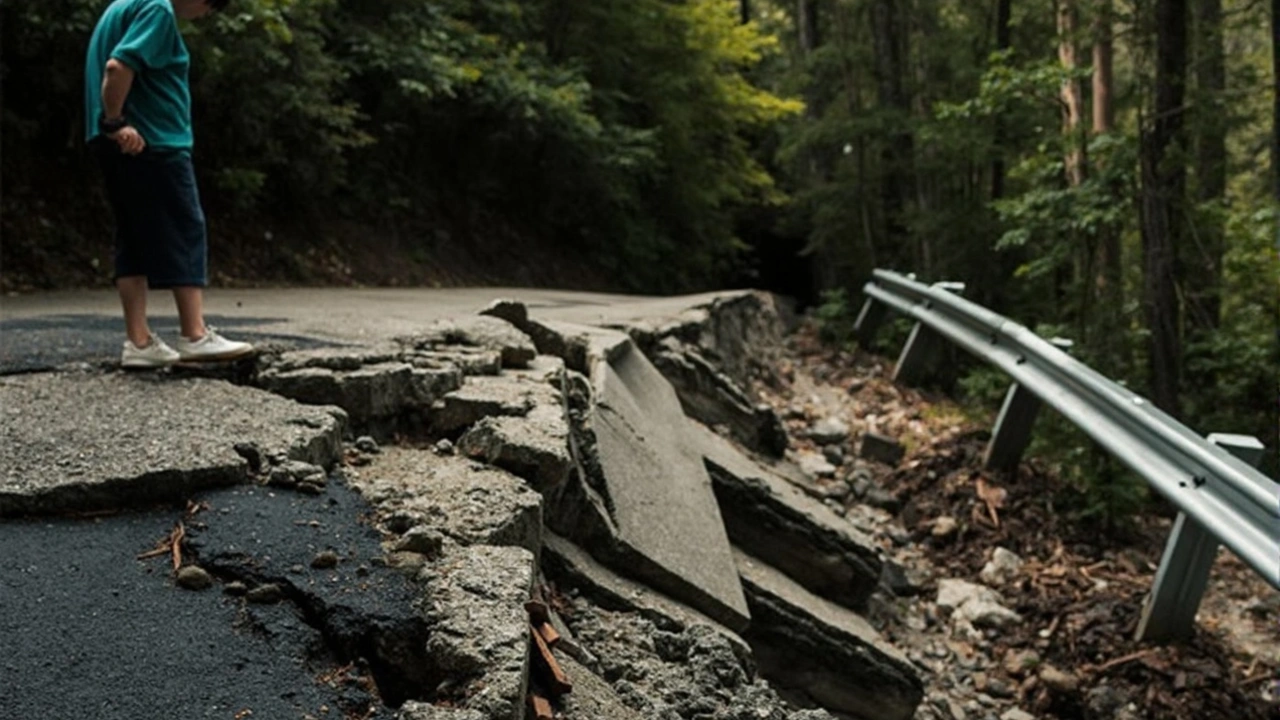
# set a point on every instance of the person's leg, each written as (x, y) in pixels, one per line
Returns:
(133, 298)
(190, 302)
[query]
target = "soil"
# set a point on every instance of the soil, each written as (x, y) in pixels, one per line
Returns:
(1079, 592)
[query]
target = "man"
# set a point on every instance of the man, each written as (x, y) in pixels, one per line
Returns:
(138, 120)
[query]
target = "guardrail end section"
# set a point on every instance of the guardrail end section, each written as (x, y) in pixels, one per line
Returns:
(1170, 609)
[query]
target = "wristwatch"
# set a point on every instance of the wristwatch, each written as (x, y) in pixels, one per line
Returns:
(107, 125)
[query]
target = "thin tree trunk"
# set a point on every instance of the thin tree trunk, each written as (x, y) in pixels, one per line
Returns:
(1004, 11)
(1163, 181)
(1108, 270)
(1072, 93)
(1204, 257)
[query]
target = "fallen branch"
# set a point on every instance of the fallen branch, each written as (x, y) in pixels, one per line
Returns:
(179, 532)
(1121, 660)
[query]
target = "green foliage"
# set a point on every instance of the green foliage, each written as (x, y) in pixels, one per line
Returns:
(623, 131)
(835, 316)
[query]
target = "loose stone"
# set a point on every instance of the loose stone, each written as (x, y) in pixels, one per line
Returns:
(193, 577)
(324, 560)
(266, 594)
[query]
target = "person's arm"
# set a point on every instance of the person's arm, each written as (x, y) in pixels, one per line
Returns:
(117, 78)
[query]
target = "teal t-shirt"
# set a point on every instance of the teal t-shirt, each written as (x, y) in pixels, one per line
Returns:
(142, 34)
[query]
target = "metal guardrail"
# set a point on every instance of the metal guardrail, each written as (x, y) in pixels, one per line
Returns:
(1220, 495)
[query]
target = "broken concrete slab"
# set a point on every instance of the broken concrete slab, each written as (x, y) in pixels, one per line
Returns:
(786, 528)
(669, 530)
(377, 386)
(572, 566)
(474, 605)
(713, 398)
(463, 500)
(471, 361)
(483, 331)
(535, 447)
(77, 442)
(815, 648)
(483, 396)
(741, 334)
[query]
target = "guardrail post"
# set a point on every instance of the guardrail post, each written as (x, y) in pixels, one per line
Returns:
(869, 320)
(1170, 609)
(918, 356)
(1012, 433)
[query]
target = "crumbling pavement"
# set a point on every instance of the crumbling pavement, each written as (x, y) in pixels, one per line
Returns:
(522, 456)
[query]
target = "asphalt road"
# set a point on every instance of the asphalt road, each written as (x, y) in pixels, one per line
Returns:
(89, 630)
(49, 330)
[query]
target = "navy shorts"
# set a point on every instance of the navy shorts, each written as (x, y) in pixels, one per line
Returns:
(160, 228)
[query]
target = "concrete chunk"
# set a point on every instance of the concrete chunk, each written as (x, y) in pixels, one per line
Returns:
(484, 396)
(535, 448)
(75, 442)
(469, 503)
(372, 384)
(778, 523)
(592, 698)
(713, 398)
(821, 650)
(484, 331)
(474, 604)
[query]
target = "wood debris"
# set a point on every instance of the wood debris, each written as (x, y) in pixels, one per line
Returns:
(547, 676)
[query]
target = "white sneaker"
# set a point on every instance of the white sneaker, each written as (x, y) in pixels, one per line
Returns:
(155, 354)
(211, 347)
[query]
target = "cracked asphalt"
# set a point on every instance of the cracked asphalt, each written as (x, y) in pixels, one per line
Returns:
(89, 630)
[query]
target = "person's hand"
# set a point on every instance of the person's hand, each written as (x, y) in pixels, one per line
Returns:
(129, 140)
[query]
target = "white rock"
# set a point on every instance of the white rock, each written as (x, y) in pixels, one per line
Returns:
(829, 431)
(1017, 714)
(952, 593)
(1003, 567)
(815, 465)
(974, 604)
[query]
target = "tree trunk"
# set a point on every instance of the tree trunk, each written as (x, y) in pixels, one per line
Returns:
(1275, 100)
(1072, 93)
(807, 24)
(890, 68)
(1163, 185)
(1204, 257)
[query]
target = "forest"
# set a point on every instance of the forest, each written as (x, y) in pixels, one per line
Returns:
(1103, 170)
